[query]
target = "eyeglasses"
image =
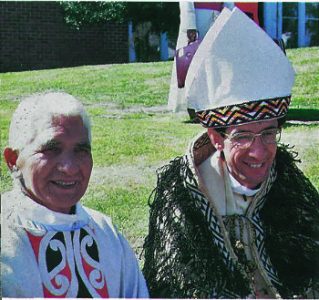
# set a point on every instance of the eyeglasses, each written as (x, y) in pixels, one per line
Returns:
(245, 139)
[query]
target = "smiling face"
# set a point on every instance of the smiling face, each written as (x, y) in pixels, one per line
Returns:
(56, 166)
(250, 166)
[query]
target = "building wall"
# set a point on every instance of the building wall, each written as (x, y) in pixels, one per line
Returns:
(34, 35)
(297, 22)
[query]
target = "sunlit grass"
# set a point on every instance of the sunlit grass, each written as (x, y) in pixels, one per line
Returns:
(306, 64)
(129, 145)
(125, 84)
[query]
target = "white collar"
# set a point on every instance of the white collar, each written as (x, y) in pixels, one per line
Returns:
(240, 189)
(26, 213)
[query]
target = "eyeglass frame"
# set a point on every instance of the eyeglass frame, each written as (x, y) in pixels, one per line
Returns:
(254, 135)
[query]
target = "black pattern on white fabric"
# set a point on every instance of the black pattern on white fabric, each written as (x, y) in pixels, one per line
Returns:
(259, 232)
(218, 239)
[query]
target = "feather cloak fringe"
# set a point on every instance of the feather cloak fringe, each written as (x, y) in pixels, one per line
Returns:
(181, 260)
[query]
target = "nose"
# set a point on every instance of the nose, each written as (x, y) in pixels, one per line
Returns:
(68, 164)
(258, 149)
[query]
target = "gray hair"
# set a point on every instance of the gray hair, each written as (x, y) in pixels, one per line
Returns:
(34, 110)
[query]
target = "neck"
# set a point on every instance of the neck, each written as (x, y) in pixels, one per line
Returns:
(238, 188)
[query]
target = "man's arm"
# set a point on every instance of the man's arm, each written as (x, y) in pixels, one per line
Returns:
(188, 20)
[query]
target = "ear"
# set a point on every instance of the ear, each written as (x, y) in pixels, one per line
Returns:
(10, 157)
(216, 139)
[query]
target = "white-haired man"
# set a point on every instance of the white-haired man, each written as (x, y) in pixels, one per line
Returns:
(52, 246)
(235, 218)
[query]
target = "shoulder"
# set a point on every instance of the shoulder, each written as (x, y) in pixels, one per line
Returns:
(6, 198)
(175, 163)
(178, 169)
(286, 157)
(290, 216)
(111, 236)
(107, 232)
(10, 201)
(102, 220)
(105, 223)
(294, 192)
(171, 180)
(290, 177)
(97, 215)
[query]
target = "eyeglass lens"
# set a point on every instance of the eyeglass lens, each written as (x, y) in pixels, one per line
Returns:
(271, 136)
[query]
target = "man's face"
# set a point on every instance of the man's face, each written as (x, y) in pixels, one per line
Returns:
(250, 166)
(56, 166)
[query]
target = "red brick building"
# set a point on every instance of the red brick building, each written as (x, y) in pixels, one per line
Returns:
(35, 36)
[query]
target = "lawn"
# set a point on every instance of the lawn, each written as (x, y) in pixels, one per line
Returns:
(133, 134)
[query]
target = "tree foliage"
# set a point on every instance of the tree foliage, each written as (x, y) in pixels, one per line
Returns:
(153, 17)
(79, 13)
(164, 16)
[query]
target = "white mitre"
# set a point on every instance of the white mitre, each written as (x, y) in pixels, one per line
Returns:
(238, 74)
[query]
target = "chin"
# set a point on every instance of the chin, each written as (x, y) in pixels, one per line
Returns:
(254, 182)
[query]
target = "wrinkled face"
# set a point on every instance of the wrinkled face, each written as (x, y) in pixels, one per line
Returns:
(250, 166)
(56, 166)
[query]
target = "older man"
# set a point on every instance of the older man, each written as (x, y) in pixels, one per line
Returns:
(52, 246)
(235, 217)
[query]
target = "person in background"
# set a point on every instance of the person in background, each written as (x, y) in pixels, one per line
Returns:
(235, 217)
(195, 20)
(52, 246)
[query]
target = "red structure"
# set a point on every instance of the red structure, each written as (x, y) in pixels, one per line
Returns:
(250, 9)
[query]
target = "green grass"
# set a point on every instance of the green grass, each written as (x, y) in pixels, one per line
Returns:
(121, 140)
(126, 206)
(131, 138)
(306, 89)
(124, 85)
(305, 140)
(144, 84)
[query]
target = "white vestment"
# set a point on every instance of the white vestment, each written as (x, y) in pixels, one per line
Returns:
(50, 254)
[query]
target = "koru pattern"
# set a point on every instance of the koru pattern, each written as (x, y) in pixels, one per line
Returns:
(69, 264)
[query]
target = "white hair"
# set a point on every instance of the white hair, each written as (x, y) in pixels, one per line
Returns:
(34, 110)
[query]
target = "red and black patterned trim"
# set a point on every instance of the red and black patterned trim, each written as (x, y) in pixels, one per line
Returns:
(245, 112)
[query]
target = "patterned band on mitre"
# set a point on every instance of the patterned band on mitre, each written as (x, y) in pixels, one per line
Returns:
(245, 112)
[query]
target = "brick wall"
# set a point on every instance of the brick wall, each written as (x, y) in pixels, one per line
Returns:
(34, 35)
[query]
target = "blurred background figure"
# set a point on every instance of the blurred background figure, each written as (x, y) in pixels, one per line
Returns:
(195, 20)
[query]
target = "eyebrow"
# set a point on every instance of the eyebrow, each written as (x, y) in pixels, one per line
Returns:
(54, 143)
(50, 143)
(269, 127)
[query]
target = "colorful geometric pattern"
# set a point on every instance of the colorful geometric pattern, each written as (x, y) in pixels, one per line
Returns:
(244, 112)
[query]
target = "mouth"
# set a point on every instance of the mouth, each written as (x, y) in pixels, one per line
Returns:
(255, 166)
(64, 184)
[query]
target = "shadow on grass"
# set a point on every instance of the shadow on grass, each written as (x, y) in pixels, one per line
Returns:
(303, 114)
(194, 121)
